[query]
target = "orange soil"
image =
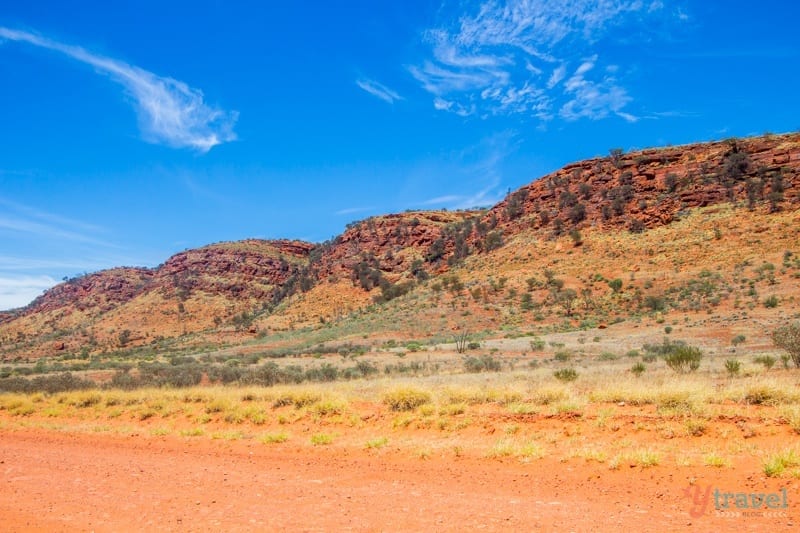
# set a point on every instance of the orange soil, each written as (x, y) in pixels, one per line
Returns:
(60, 481)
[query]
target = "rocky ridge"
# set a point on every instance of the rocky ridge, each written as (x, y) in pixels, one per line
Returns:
(630, 192)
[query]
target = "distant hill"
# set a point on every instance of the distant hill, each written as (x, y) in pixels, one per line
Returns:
(657, 218)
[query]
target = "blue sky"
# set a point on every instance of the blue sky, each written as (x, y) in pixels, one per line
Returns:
(130, 131)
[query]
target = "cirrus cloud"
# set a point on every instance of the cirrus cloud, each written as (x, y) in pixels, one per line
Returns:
(378, 90)
(170, 112)
(528, 57)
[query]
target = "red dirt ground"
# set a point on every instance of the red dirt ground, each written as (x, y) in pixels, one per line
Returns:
(52, 481)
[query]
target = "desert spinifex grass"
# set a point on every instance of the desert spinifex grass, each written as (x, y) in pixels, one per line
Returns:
(406, 398)
(791, 416)
(321, 439)
(643, 457)
(716, 460)
(274, 438)
(520, 392)
(589, 454)
(694, 408)
(377, 442)
(669, 393)
(516, 448)
(227, 435)
(474, 395)
(777, 464)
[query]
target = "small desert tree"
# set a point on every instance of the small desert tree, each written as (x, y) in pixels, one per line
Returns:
(788, 338)
(462, 339)
(567, 299)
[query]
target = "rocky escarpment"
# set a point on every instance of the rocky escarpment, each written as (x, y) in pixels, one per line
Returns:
(652, 187)
(392, 244)
(99, 291)
(244, 269)
(253, 269)
(226, 285)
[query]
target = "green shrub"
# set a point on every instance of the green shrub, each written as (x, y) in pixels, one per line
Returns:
(767, 361)
(733, 366)
(665, 348)
(638, 369)
(562, 356)
(684, 359)
(537, 344)
(62, 382)
(615, 284)
(566, 374)
(484, 363)
(655, 303)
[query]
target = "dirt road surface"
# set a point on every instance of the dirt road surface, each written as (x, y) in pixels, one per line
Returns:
(53, 481)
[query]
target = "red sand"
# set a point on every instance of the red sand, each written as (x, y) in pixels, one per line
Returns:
(53, 481)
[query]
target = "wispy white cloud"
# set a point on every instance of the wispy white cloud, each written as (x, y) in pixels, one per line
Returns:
(447, 199)
(170, 112)
(17, 264)
(40, 229)
(352, 210)
(18, 291)
(39, 246)
(673, 114)
(558, 74)
(479, 169)
(594, 99)
(459, 109)
(53, 218)
(512, 57)
(378, 90)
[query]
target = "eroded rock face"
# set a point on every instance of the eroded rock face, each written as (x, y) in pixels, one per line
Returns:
(389, 243)
(101, 291)
(651, 187)
(250, 268)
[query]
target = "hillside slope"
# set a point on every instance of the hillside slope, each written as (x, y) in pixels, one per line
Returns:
(684, 229)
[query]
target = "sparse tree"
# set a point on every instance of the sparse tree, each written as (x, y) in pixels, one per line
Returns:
(567, 299)
(586, 295)
(576, 237)
(775, 196)
(615, 155)
(671, 182)
(755, 191)
(788, 338)
(124, 337)
(462, 340)
(577, 213)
